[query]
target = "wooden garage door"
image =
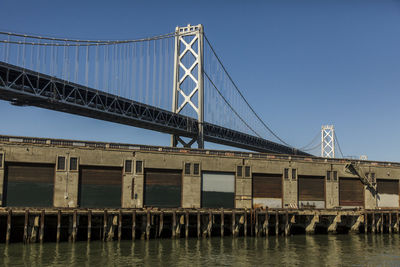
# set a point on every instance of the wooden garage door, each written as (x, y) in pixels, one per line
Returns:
(351, 192)
(100, 187)
(29, 185)
(311, 188)
(162, 188)
(267, 185)
(267, 190)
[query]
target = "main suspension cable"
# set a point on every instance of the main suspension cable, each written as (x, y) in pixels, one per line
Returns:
(240, 93)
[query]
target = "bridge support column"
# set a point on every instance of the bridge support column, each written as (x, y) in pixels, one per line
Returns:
(189, 43)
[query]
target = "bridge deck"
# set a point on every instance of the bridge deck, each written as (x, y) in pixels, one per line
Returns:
(25, 87)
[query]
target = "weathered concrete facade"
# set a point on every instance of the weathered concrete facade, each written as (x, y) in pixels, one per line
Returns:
(141, 158)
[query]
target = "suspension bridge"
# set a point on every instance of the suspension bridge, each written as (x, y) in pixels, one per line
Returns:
(173, 83)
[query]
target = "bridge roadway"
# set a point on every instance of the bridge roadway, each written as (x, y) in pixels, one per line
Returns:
(21, 86)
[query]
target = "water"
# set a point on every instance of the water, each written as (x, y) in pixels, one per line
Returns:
(301, 250)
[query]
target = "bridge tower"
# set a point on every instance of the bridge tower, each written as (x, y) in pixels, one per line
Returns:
(327, 141)
(189, 42)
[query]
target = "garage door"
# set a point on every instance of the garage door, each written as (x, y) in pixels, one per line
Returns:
(311, 190)
(267, 190)
(100, 187)
(163, 188)
(29, 185)
(388, 193)
(218, 190)
(351, 192)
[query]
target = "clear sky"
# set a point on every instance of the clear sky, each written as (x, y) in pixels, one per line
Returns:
(301, 64)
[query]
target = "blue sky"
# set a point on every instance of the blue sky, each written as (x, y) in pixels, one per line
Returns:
(301, 64)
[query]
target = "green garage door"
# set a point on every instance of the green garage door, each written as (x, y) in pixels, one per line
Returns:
(29, 185)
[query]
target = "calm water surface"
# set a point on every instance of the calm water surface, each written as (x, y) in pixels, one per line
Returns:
(301, 250)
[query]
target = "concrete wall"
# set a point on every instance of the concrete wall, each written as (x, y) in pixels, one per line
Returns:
(67, 181)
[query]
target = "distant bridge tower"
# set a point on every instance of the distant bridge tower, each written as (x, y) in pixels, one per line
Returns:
(327, 141)
(188, 88)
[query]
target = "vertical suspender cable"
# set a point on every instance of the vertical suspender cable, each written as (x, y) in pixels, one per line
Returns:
(76, 63)
(147, 72)
(154, 73)
(96, 74)
(23, 53)
(87, 67)
(141, 73)
(160, 67)
(134, 88)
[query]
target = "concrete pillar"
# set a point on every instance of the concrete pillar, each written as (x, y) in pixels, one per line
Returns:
(370, 198)
(332, 193)
(66, 183)
(290, 196)
(243, 191)
(138, 184)
(128, 184)
(191, 191)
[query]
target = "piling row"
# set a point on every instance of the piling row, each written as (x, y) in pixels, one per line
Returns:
(57, 225)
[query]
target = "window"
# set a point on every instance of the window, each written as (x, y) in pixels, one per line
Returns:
(294, 174)
(128, 166)
(139, 166)
(239, 171)
(1, 160)
(286, 173)
(196, 169)
(335, 175)
(61, 163)
(328, 175)
(187, 168)
(73, 164)
(247, 171)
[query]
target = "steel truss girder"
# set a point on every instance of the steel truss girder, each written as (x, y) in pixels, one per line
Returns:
(25, 87)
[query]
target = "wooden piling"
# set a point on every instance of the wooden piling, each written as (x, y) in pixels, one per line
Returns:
(148, 226)
(105, 222)
(266, 224)
(365, 223)
(390, 222)
(256, 218)
(119, 225)
(287, 225)
(222, 223)
(245, 223)
(233, 223)
(373, 229)
(133, 225)
(276, 223)
(174, 224)
(41, 235)
(251, 222)
(198, 224)
(58, 225)
(8, 233)
(26, 222)
(210, 223)
(74, 225)
(381, 225)
(187, 224)
(161, 223)
(89, 231)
